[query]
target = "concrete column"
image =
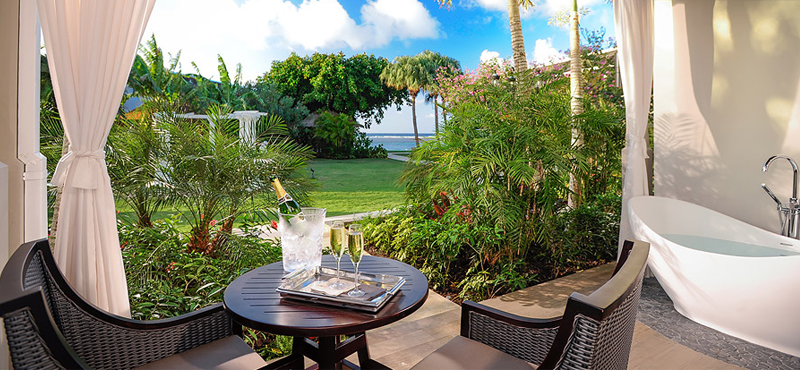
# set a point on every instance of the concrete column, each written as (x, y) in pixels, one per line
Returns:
(34, 176)
(4, 360)
(9, 82)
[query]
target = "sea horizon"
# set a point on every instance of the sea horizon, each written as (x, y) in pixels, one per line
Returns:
(397, 141)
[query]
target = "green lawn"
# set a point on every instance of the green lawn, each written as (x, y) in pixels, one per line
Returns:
(356, 185)
(346, 186)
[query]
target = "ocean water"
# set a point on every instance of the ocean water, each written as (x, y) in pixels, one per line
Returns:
(396, 142)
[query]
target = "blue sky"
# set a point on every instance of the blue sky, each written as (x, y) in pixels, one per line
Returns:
(256, 32)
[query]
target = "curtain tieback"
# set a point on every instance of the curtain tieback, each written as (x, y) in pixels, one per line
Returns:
(88, 167)
(638, 145)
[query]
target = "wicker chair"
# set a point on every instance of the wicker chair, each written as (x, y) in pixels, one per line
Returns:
(49, 326)
(595, 332)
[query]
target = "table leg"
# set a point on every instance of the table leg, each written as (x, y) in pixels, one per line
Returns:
(327, 354)
(292, 362)
(330, 353)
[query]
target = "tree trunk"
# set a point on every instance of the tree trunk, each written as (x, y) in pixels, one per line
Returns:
(517, 44)
(57, 201)
(414, 115)
(436, 115)
(576, 103)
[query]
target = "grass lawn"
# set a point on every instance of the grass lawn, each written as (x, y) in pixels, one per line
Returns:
(356, 185)
(346, 186)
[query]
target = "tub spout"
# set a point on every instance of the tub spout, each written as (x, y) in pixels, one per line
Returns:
(790, 215)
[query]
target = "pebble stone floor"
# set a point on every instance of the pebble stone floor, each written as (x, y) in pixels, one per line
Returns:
(656, 311)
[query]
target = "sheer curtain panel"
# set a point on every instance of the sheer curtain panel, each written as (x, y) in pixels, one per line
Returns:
(634, 31)
(90, 46)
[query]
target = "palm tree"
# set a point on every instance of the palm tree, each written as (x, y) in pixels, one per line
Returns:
(216, 177)
(437, 63)
(515, 23)
(407, 72)
(576, 92)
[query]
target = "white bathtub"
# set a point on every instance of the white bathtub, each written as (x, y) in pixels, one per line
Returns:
(723, 273)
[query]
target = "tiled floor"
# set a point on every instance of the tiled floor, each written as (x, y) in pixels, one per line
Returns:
(662, 338)
(404, 343)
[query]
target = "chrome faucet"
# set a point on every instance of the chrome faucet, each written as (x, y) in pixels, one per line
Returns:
(788, 215)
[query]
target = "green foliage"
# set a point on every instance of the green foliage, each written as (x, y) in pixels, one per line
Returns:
(133, 153)
(265, 97)
(458, 256)
(337, 136)
(166, 280)
(336, 83)
(469, 260)
(489, 192)
(151, 80)
(334, 133)
(584, 237)
(216, 176)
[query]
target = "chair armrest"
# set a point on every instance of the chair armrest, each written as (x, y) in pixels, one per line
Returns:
(107, 341)
(522, 337)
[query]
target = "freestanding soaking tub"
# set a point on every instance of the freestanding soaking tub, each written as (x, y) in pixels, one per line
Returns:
(723, 273)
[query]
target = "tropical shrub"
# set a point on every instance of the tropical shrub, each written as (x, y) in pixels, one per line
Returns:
(466, 259)
(337, 136)
(166, 280)
(490, 192)
(217, 177)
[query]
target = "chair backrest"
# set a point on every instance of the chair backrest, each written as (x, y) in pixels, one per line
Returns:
(49, 325)
(597, 330)
(29, 309)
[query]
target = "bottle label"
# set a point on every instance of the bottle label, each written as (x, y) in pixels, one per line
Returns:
(285, 198)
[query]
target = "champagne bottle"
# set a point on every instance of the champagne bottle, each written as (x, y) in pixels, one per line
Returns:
(286, 204)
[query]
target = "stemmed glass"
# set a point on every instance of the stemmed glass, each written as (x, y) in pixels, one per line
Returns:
(338, 244)
(356, 249)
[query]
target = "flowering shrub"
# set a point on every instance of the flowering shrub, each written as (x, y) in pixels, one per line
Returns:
(490, 192)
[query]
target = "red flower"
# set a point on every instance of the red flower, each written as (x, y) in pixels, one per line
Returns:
(171, 266)
(212, 223)
(123, 245)
(274, 224)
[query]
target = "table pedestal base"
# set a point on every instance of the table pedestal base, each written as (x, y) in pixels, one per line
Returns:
(329, 353)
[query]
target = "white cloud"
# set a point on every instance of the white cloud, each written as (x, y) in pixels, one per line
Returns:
(545, 53)
(499, 5)
(259, 31)
(487, 55)
(403, 19)
(550, 7)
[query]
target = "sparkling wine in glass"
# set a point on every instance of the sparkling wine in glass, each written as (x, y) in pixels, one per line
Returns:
(356, 248)
(338, 244)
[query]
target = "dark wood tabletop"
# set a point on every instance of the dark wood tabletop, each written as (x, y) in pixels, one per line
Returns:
(252, 301)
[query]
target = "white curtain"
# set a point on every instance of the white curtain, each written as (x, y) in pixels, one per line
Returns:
(634, 31)
(90, 47)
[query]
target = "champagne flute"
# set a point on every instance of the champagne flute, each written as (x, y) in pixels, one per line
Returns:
(356, 249)
(338, 244)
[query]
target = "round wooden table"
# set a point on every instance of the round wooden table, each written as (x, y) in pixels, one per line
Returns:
(252, 301)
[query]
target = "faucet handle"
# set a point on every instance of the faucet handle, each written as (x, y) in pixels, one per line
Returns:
(772, 195)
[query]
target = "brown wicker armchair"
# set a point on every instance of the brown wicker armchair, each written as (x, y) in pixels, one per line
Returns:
(595, 332)
(49, 326)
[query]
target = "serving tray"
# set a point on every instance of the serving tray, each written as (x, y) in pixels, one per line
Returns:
(298, 285)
